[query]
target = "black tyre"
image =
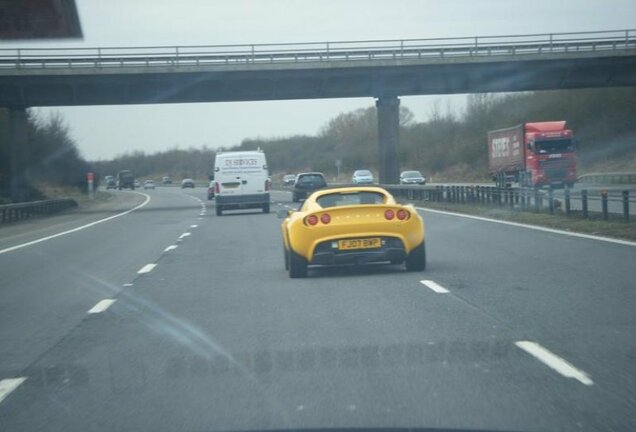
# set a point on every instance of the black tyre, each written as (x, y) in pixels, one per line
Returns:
(294, 198)
(416, 261)
(297, 266)
(219, 210)
(266, 208)
(209, 197)
(286, 254)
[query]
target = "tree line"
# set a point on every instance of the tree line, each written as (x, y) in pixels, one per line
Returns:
(51, 157)
(452, 146)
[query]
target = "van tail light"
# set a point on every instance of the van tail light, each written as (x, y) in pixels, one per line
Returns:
(325, 218)
(311, 220)
(217, 188)
(402, 214)
(268, 185)
(389, 215)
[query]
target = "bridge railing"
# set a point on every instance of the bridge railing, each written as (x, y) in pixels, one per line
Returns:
(372, 50)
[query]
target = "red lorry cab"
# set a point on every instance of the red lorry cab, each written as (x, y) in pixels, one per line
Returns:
(533, 154)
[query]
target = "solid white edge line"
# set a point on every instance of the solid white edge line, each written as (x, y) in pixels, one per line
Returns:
(171, 247)
(147, 268)
(8, 385)
(555, 362)
(185, 234)
(101, 306)
(533, 227)
(435, 287)
(40, 240)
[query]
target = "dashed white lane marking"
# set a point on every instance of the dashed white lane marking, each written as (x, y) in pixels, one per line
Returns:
(185, 234)
(435, 287)
(555, 362)
(147, 268)
(171, 247)
(193, 226)
(40, 240)
(101, 306)
(8, 385)
(532, 227)
(128, 285)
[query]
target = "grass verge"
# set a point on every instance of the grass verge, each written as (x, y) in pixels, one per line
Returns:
(614, 227)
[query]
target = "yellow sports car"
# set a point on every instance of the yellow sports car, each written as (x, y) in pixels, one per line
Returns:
(352, 225)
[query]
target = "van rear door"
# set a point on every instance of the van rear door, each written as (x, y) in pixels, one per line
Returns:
(240, 174)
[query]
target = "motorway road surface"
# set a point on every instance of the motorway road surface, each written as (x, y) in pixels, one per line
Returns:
(195, 326)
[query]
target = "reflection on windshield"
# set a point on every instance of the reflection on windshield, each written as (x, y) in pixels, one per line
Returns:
(358, 198)
(554, 146)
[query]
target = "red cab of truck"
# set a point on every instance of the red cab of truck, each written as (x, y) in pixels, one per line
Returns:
(533, 154)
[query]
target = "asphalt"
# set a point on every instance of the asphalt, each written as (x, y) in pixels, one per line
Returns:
(217, 337)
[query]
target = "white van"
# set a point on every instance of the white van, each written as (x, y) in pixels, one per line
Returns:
(241, 181)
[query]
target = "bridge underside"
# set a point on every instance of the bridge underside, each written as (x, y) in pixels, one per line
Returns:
(175, 86)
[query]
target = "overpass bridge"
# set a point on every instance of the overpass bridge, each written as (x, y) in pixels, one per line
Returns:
(382, 69)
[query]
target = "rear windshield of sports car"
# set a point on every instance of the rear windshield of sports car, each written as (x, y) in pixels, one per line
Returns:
(350, 198)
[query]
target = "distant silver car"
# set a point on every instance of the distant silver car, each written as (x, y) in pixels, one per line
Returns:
(187, 183)
(412, 177)
(362, 177)
(289, 180)
(149, 184)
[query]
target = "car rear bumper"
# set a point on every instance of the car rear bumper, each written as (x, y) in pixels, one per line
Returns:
(242, 201)
(326, 254)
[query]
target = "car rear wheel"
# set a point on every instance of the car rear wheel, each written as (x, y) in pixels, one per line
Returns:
(219, 210)
(416, 261)
(294, 198)
(286, 254)
(266, 208)
(297, 265)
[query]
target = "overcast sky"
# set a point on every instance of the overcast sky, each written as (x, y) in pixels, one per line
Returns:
(103, 132)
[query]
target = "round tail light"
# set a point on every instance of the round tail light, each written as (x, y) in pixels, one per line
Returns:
(402, 214)
(312, 219)
(389, 215)
(325, 218)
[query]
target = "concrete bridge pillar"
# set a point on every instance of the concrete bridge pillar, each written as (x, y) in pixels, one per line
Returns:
(388, 138)
(18, 142)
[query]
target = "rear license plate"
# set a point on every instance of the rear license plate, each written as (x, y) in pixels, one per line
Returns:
(370, 243)
(230, 185)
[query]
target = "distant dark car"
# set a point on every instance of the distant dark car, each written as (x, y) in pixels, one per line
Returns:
(289, 180)
(187, 183)
(306, 183)
(211, 190)
(166, 180)
(111, 183)
(412, 177)
(125, 179)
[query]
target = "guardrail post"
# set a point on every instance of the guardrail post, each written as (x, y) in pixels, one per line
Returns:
(511, 198)
(448, 194)
(462, 194)
(626, 205)
(584, 203)
(604, 204)
(551, 201)
(537, 207)
(567, 201)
